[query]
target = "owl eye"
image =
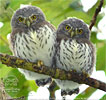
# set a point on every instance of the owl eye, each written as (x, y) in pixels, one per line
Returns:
(21, 19)
(80, 31)
(33, 17)
(68, 27)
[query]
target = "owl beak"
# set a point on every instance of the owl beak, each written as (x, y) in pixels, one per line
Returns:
(73, 32)
(28, 22)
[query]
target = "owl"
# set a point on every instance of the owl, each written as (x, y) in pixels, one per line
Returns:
(33, 39)
(74, 51)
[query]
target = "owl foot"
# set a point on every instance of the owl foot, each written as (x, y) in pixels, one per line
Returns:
(85, 73)
(40, 63)
(63, 93)
(75, 91)
(69, 92)
(43, 82)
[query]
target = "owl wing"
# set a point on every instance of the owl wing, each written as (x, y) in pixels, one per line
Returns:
(11, 41)
(91, 53)
(12, 38)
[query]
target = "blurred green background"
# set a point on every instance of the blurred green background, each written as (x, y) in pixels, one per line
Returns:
(55, 11)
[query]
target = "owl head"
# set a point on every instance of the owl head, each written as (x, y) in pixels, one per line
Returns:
(27, 17)
(73, 28)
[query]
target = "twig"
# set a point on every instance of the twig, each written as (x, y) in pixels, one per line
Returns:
(81, 78)
(98, 9)
(52, 88)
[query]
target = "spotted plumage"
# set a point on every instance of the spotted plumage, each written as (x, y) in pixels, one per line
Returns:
(74, 51)
(33, 39)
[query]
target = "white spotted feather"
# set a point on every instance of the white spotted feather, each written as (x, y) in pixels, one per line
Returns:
(37, 49)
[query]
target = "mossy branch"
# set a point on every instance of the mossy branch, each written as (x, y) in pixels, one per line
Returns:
(56, 73)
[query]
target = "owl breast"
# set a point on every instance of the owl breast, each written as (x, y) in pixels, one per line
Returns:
(72, 55)
(36, 45)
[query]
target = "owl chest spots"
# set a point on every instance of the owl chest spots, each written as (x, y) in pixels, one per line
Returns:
(35, 45)
(74, 56)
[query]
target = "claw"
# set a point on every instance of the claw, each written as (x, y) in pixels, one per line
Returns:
(40, 63)
(63, 93)
(85, 73)
(43, 82)
(76, 91)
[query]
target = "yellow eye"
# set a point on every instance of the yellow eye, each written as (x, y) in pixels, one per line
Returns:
(80, 31)
(33, 17)
(21, 19)
(67, 27)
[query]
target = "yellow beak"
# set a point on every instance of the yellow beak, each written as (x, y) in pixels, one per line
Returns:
(28, 22)
(73, 33)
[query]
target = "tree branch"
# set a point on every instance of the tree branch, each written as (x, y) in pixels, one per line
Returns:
(56, 73)
(98, 9)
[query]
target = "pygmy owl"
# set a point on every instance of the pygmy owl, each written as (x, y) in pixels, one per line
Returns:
(74, 52)
(33, 38)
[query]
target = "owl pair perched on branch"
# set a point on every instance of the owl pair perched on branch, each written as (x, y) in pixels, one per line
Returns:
(36, 40)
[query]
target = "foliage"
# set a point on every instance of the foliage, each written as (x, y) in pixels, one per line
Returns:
(55, 12)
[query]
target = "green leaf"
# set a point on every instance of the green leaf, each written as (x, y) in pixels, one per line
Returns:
(4, 70)
(101, 56)
(5, 11)
(4, 49)
(33, 86)
(104, 5)
(104, 97)
(16, 85)
(5, 29)
(100, 52)
(86, 94)
(14, 4)
(76, 5)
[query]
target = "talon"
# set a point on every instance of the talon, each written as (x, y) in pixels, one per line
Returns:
(39, 63)
(74, 71)
(85, 73)
(70, 93)
(43, 82)
(63, 93)
(76, 91)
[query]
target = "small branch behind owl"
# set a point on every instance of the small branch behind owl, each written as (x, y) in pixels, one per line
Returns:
(98, 9)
